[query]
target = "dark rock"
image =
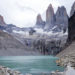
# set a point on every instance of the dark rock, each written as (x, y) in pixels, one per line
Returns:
(71, 28)
(72, 9)
(32, 31)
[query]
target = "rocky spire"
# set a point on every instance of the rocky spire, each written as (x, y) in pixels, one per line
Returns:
(2, 21)
(50, 17)
(61, 17)
(72, 9)
(39, 22)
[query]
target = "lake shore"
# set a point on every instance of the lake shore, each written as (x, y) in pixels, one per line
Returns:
(7, 71)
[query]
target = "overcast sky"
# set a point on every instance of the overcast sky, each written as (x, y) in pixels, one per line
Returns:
(23, 12)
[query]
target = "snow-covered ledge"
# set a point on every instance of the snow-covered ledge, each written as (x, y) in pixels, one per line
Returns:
(69, 70)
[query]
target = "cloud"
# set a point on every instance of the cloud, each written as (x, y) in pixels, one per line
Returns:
(23, 12)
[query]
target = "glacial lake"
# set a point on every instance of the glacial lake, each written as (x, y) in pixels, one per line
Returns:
(31, 64)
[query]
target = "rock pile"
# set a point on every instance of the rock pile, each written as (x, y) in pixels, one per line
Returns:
(8, 71)
(64, 61)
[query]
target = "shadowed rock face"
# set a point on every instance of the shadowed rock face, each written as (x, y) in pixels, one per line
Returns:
(2, 21)
(39, 22)
(72, 9)
(50, 17)
(71, 28)
(62, 18)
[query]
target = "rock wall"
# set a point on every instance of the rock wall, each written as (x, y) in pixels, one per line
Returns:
(71, 28)
(39, 22)
(2, 23)
(50, 17)
(72, 9)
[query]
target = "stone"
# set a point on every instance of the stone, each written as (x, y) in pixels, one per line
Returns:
(72, 9)
(50, 17)
(71, 28)
(39, 22)
(2, 23)
(62, 18)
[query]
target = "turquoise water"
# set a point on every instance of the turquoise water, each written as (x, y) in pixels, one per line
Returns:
(31, 64)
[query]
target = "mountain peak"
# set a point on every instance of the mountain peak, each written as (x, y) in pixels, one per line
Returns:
(39, 22)
(50, 17)
(50, 5)
(62, 17)
(2, 20)
(39, 19)
(50, 8)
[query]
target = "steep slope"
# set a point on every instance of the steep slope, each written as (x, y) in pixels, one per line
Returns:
(62, 18)
(72, 9)
(71, 38)
(71, 28)
(50, 18)
(2, 23)
(39, 22)
(9, 46)
(70, 50)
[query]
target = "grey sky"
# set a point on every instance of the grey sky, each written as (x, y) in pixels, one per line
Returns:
(23, 12)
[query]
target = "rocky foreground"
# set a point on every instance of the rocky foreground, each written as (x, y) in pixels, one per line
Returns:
(8, 71)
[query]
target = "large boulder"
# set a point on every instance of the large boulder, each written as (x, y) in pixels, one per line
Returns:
(50, 18)
(72, 9)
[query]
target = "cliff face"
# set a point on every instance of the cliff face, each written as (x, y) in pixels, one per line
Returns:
(54, 21)
(50, 17)
(2, 23)
(72, 9)
(70, 49)
(39, 22)
(62, 18)
(71, 28)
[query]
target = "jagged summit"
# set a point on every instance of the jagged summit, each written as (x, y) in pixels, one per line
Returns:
(72, 9)
(50, 7)
(39, 19)
(39, 22)
(2, 21)
(54, 21)
(62, 17)
(50, 17)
